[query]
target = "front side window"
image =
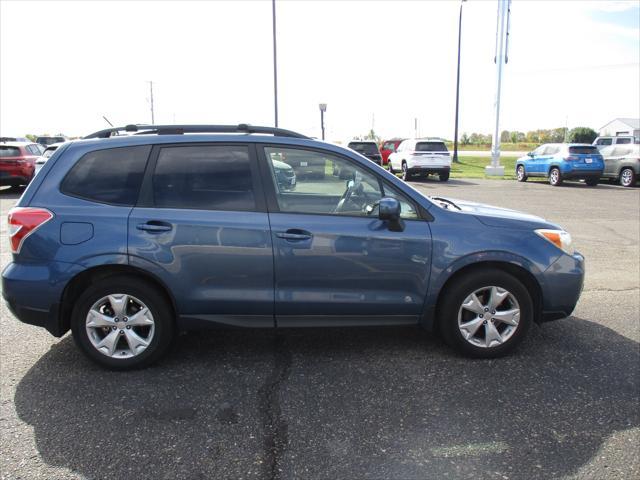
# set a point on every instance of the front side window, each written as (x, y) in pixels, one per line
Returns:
(604, 141)
(111, 176)
(539, 150)
(204, 177)
(338, 187)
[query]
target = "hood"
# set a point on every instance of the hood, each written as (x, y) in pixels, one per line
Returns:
(502, 217)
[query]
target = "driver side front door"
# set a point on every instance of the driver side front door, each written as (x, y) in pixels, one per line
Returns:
(334, 263)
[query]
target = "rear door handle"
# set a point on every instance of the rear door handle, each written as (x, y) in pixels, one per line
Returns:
(294, 234)
(154, 226)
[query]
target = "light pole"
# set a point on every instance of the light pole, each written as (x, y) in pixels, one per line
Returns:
(275, 63)
(153, 120)
(323, 108)
(455, 132)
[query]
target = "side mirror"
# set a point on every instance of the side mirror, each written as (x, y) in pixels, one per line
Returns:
(530, 154)
(389, 211)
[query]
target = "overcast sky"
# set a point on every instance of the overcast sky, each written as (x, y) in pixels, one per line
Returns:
(65, 64)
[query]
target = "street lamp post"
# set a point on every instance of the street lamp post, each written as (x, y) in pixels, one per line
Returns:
(275, 63)
(455, 134)
(323, 108)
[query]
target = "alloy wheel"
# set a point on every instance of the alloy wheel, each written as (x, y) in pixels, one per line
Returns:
(626, 177)
(488, 317)
(120, 326)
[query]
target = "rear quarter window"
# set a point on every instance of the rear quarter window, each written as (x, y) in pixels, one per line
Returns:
(111, 176)
(9, 151)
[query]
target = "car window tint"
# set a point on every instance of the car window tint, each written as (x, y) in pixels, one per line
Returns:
(622, 141)
(9, 151)
(604, 141)
(204, 177)
(431, 147)
(324, 183)
(584, 150)
(110, 176)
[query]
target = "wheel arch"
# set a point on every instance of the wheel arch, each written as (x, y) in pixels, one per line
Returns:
(527, 278)
(82, 280)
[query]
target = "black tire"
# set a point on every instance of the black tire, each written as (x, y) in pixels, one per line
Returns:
(627, 177)
(521, 174)
(160, 308)
(592, 182)
(455, 294)
(555, 177)
(443, 176)
(405, 172)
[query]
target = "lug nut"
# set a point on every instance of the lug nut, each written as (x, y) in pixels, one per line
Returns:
(484, 323)
(493, 312)
(114, 327)
(128, 327)
(121, 332)
(116, 319)
(481, 316)
(125, 319)
(486, 309)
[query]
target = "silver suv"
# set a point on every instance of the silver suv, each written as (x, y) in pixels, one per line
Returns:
(621, 159)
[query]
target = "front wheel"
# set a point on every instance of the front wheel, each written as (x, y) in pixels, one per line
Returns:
(555, 179)
(627, 177)
(485, 314)
(521, 174)
(122, 323)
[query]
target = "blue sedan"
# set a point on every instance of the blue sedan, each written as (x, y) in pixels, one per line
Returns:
(562, 161)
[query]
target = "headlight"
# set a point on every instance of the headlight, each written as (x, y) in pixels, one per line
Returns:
(559, 238)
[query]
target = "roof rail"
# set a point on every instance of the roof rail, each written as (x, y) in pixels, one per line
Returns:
(182, 129)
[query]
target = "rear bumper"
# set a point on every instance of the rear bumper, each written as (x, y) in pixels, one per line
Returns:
(563, 282)
(33, 292)
(429, 169)
(16, 174)
(581, 174)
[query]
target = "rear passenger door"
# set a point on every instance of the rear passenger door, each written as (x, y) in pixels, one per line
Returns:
(201, 227)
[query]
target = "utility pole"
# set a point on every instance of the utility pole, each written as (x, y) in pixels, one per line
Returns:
(455, 134)
(501, 58)
(415, 127)
(275, 63)
(153, 120)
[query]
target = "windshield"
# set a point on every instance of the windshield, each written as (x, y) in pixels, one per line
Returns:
(365, 148)
(431, 147)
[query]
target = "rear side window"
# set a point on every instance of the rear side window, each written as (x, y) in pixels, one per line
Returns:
(431, 147)
(9, 151)
(204, 177)
(621, 141)
(586, 150)
(108, 176)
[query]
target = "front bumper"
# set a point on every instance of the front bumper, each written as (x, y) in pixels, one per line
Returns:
(33, 292)
(562, 286)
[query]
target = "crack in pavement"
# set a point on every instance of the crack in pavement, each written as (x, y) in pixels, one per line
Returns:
(273, 422)
(611, 289)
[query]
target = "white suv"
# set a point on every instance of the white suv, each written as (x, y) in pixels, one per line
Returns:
(421, 156)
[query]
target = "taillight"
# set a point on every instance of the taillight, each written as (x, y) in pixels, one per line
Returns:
(572, 158)
(23, 221)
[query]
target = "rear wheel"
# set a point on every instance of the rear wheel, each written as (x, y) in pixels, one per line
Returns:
(485, 314)
(443, 176)
(391, 170)
(627, 177)
(521, 174)
(122, 323)
(405, 171)
(555, 179)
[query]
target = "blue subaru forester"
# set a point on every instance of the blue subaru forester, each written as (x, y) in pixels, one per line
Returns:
(135, 233)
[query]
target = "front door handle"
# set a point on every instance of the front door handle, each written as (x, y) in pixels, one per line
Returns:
(294, 234)
(154, 226)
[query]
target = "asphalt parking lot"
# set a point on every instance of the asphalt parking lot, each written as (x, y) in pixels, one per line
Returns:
(349, 404)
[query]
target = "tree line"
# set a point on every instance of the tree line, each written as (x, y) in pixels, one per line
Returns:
(552, 135)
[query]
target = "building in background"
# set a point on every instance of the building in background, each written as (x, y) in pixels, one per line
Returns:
(621, 126)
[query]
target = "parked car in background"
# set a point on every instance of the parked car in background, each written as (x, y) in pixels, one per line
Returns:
(621, 163)
(303, 164)
(421, 157)
(128, 240)
(619, 140)
(15, 139)
(389, 147)
(367, 148)
(46, 141)
(562, 161)
(42, 159)
(18, 162)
